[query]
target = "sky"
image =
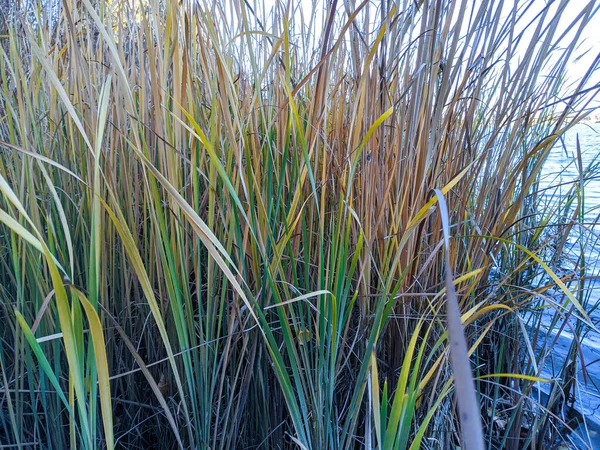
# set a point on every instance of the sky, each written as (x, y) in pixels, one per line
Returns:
(590, 39)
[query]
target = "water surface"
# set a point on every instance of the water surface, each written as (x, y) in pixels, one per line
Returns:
(561, 173)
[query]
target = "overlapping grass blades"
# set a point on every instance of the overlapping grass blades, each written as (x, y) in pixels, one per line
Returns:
(219, 228)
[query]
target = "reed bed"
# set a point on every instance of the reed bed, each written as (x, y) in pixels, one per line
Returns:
(248, 226)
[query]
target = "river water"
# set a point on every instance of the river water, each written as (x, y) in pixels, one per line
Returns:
(561, 172)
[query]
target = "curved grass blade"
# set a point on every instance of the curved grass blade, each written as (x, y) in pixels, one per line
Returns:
(466, 396)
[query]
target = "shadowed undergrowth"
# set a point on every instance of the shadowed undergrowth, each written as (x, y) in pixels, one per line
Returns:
(219, 227)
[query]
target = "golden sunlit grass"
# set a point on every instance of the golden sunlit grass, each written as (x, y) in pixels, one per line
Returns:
(224, 227)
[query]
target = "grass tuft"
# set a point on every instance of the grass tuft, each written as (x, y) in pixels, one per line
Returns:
(300, 225)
